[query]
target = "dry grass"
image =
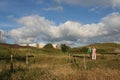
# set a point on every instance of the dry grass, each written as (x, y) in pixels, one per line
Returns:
(57, 66)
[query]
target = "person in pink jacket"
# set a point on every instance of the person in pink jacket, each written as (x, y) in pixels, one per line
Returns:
(93, 53)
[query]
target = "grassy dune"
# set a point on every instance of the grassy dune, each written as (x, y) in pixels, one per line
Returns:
(55, 65)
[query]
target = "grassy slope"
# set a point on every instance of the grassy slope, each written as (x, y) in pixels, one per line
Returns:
(106, 46)
(55, 65)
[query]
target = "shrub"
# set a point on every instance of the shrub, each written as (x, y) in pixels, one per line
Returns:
(65, 48)
(48, 46)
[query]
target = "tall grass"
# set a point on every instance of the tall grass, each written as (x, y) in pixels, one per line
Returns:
(52, 64)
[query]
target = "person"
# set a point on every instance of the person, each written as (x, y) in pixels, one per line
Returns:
(93, 53)
(90, 52)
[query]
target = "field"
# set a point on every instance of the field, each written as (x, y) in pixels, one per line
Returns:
(53, 64)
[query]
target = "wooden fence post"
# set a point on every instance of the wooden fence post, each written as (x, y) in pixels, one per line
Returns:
(84, 62)
(11, 65)
(27, 63)
(68, 57)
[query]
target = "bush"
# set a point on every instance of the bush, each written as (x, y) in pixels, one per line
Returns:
(48, 46)
(65, 48)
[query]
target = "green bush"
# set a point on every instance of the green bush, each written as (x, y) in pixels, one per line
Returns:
(65, 48)
(48, 46)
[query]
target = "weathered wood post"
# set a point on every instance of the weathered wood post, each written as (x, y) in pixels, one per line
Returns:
(11, 65)
(68, 57)
(75, 60)
(84, 62)
(27, 62)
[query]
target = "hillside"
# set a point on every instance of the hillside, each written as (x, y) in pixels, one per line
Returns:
(101, 47)
(107, 47)
(52, 64)
(8, 49)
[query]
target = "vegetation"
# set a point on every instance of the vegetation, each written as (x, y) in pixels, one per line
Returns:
(106, 47)
(64, 48)
(53, 64)
(48, 46)
(101, 47)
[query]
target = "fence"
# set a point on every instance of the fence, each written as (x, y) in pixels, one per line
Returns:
(12, 57)
(117, 54)
(74, 56)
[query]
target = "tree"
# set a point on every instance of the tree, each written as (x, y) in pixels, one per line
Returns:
(48, 46)
(64, 48)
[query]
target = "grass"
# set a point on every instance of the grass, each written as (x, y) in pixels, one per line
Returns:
(55, 65)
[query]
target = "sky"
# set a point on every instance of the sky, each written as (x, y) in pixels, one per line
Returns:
(72, 22)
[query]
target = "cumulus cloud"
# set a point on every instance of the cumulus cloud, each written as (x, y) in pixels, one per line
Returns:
(37, 28)
(100, 3)
(34, 27)
(111, 23)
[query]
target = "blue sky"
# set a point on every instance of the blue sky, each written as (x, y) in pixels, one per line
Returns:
(36, 18)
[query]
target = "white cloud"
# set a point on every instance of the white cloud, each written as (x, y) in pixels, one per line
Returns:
(38, 28)
(111, 23)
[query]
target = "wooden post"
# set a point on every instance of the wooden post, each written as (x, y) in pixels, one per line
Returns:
(27, 63)
(11, 65)
(84, 62)
(68, 57)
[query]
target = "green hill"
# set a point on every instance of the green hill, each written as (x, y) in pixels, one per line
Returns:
(105, 47)
(101, 47)
(8, 49)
